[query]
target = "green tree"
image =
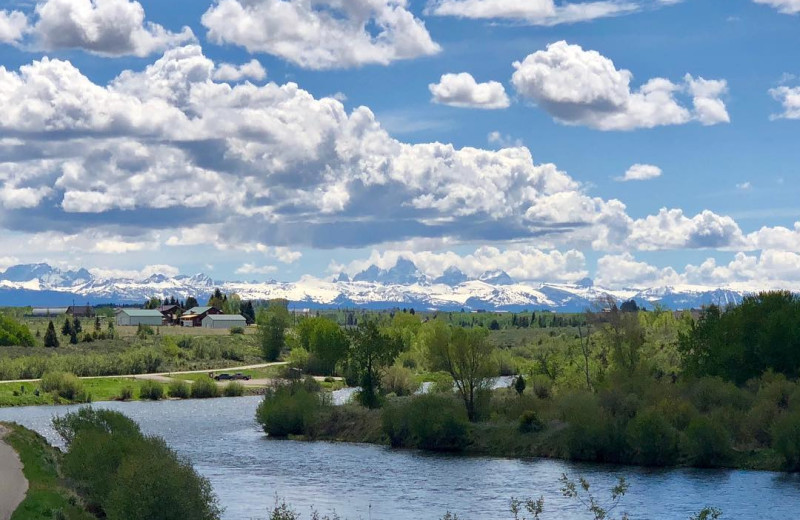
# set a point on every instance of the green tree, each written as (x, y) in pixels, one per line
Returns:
(467, 357)
(14, 333)
(218, 299)
(519, 385)
(326, 340)
(50, 337)
(248, 312)
(191, 302)
(272, 324)
(371, 351)
(66, 329)
(97, 325)
(73, 337)
(76, 326)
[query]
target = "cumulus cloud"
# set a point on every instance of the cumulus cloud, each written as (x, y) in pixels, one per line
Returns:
(671, 229)
(228, 72)
(789, 98)
(641, 172)
(461, 90)
(133, 274)
(13, 26)
(103, 27)
(254, 269)
(580, 87)
(624, 271)
(783, 6)
(322, 34)
(534, 12)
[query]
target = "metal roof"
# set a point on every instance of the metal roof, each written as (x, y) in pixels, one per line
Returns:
(143, 313)
(198, 310)
(226, 317)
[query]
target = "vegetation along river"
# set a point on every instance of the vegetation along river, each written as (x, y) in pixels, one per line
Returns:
(247, 471)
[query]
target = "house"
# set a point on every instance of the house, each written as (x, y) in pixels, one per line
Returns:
(223, 321)
(135, 317)
(171, 313)
(80, 311)
(194, 316)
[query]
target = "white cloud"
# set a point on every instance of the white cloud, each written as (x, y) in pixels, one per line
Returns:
(13, 26)
(579, 87)
(783, 6)
(461, 90)
(103, 27)
(641, 172)
(789, 98)
(132, 274)
(744, 186)
(671, 229)
(503, 140)
(533, 12)
(322, 34)
(8, 261)
(624, 271)
(254, 269)
(228, 72)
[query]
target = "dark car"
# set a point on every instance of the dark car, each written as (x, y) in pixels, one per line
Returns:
(223, 377)
(230, 377)
(239, 375)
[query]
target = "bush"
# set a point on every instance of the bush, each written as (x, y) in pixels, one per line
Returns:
(310, 384)
(653, 440)
(399, 381)
(298, 358)
(205, 388)
(786, 440)
(126, 394)
(707, 443)
(179, 389)
(288, 410)
(590, 434)
(152, 390)
(542, 386)
(236, 330)
(429, 422)
(529, 422)
(14, 333)
(64, 385)
(233, 389)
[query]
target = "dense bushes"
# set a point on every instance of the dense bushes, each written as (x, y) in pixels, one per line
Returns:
(653, 440)
(14, 333)
(205, 388)
(179, 389)
(289, 409)
(233, 389)
(64, 385)
(430, 422)
(125, 475)
(152, 390)
(786, 435)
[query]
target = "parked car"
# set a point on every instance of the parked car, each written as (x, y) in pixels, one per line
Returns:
(231, 377)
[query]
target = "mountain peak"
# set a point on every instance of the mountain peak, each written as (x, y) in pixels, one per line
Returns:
(451, 276)
(404, 272)
(496, 277)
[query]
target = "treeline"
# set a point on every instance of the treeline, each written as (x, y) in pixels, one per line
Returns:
(122, 474)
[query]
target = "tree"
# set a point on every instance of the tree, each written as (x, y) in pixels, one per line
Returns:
(217, 299)
(76, 326)
(326, 340)
(191, 302)
(248, 312)
(467, 357)
(272, 323)
(370, 353)
(50, 337)
(153, 303)
(14, 333)
(629, 306)
(66, 329)
(73, 337)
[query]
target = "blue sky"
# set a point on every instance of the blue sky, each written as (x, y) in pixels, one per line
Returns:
(728, 175)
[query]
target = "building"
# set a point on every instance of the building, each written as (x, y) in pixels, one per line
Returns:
(171, 313)
(48, 312)
(80, 311)
(194, 316)
(135, 317)
(223, 321)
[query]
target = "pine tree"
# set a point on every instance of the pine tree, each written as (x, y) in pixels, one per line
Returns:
(519, 385)
(97, 323)
(73, 337)
(76, 325)
(66, 330)
(50, 337)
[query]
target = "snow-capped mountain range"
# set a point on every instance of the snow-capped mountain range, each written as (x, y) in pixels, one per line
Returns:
(403, 285)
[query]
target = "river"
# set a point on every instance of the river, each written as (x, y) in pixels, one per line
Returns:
(248, 471)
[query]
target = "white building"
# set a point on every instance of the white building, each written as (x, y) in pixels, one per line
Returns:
(135, 317)
(224, 321)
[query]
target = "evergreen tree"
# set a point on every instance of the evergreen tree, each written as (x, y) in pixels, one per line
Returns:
(76, 325)
(519, 385)
(73, 337)
(97, 323)
(50, 337)
(191, 302)
(66, 329)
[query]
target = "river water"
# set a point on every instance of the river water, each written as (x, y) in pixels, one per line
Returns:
(248, 471)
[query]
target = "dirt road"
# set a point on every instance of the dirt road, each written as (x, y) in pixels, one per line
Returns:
(13, 484)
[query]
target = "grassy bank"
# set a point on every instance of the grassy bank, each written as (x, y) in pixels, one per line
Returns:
(48, 496)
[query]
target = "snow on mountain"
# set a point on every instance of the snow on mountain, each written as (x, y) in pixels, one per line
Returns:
(403, 285)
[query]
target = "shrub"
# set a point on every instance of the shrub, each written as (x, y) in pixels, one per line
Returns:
(179, 389)
(288, 410)
(542, 386)
(310, 384)
(152, 390)
(205, 388)
(233, 389)
(786, 440)
(126, 394)
(653, 440)
(298, 358)
(590, 435)
(14, 333)
(399, 380)
(429, 422)
(65, 385)
(236, 330)
(707, 443)
(530, 422)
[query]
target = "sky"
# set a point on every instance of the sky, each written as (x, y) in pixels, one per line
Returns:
(637, 142)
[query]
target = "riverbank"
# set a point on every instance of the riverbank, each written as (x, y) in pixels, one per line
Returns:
(13, 484)
(46, 494)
